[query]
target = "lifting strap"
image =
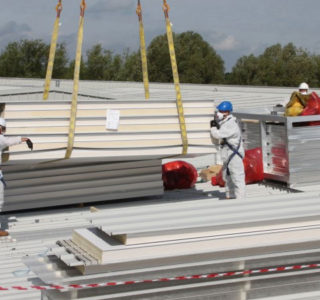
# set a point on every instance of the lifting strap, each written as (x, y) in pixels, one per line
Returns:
(74, 103)
(143, 52)
(52, 52)
(175, 73)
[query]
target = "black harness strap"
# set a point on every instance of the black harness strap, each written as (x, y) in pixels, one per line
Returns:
(3, 181)
(235, 151)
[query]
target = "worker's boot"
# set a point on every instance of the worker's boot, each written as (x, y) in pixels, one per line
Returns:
(3, 233)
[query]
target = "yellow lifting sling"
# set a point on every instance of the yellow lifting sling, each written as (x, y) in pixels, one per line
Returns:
(52, 52)
(74, 104)
(175, 73)
(143, 52)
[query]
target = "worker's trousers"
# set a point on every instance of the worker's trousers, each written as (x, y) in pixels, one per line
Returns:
(235, 182)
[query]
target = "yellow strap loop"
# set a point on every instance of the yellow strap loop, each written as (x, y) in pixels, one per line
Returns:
(59, 8)
(52, 52)
(143, 52)
(166, 8)
(183, 128)
(139, 10)
(76, 76)
(83, 6)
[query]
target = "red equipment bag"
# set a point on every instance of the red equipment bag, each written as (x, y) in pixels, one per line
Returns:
(253, 168)
(179, 175)
(312, 108)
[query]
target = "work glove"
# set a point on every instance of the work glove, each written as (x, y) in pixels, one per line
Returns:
(30, 144)
(213, 123)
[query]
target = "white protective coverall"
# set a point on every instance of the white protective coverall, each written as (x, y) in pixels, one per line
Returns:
(230, 131)
(4, 143)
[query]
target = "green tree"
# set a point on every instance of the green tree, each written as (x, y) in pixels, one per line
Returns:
(108, 71)
(197, 60)
(159, 66)
(245, 71)
(27, 58)
(96, 63)
(10, 61)
(131, 68)
(316, 62)
(277, 66)
(116, 67)
(70, 70)
(61, 61)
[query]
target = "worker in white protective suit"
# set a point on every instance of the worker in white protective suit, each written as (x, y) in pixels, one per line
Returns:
(4, 143)
(225, 128)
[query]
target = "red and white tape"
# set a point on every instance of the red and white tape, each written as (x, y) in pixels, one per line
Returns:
(204, 276)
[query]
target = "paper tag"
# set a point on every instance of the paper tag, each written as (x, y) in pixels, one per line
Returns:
(113, 118)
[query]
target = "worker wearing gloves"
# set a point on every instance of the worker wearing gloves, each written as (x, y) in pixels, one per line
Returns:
(4, 143)
(225, 128)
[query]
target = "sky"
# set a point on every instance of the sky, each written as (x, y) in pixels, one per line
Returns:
(232, 27)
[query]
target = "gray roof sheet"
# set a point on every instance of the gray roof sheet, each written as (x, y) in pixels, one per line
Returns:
(33, 231)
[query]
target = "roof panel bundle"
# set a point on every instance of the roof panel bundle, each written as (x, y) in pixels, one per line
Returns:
(60, 183)
(230, 242)
(105, 164)
(144, 129)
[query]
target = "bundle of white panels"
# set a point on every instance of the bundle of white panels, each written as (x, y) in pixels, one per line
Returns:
(144, 129)
(64, 182)
(256, 234)
(106, 164)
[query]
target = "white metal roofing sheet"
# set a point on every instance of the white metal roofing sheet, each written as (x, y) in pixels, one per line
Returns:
(32, 232)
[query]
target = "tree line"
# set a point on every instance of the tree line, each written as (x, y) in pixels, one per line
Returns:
(198, 62)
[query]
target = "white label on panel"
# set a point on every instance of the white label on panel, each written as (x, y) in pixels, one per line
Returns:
(113, 118)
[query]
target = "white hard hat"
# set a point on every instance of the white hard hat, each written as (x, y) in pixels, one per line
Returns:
(303, 86)
(3, 122)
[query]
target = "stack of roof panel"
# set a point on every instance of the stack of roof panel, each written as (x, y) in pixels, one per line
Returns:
(63, 182)
(171, 241)
(144, 128)
(105, 164)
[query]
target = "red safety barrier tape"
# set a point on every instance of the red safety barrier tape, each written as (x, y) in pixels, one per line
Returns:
(178, 278)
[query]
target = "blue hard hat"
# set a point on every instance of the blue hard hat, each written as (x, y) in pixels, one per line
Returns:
(225, 106)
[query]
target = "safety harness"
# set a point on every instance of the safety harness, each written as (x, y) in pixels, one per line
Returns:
(235, 151)
(3, 181)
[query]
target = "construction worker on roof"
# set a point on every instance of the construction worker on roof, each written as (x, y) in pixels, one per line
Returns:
(225, 128)
(4, 143)
(298, 101)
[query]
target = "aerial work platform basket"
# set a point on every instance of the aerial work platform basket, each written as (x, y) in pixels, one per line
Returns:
(290, 145)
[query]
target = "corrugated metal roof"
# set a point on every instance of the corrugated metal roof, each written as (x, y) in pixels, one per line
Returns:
(242, 96)
(34, 231)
